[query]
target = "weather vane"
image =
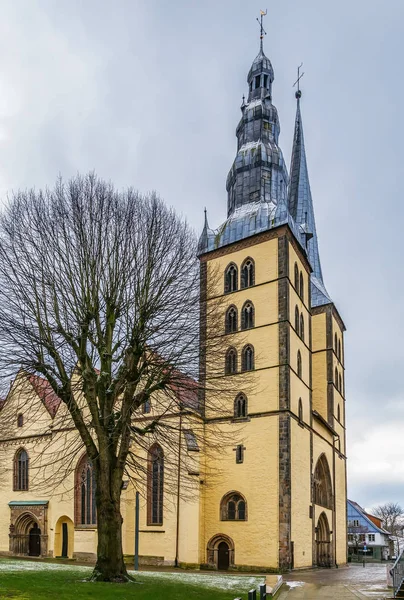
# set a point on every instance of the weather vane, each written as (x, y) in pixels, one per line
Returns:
(297, 82)
(263, 14)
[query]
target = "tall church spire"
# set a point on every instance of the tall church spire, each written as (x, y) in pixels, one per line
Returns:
(300, 206)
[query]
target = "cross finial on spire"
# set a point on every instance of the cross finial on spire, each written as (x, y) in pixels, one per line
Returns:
(263, 13)
(297, 82)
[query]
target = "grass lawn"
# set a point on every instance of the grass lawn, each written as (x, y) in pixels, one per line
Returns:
(30, 580)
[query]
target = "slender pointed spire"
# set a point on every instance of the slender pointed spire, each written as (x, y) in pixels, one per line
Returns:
(300, 202)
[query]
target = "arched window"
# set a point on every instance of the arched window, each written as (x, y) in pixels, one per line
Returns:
(322, 489)
(85, 505)
(155, 485)
(231, 361)
(335, 343)
(300, 410)
(247, 315)
(21, 463)
(339, 413)
(336, 377)
(297, 320)
(231, 320)
(296, 278)
(230, 279)
(247, 273)
(339, 349)
(233, 507)
(340, 383)
(301, 290)
(20, 420)
(247, 358)
(302, 327)
(299, 364)
(240, 406)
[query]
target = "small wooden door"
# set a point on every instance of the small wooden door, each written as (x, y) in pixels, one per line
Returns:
(65, 540)
(223, 556)
(35, 541)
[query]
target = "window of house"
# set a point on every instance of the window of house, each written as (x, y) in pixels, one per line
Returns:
(21, 464)
(86, 513)
(247, 273)
(247, 316)
(301, 287)
(231, 361)
(371, 537)
(267, 126)
(240, 406)
(233, 507)
(299, 364)
(239, 454)
(230, 279)
(247, 358)
(296, 278)
(231, 320)
(191, 441)
(356, 522)
(350, 537)
(155, 485)
(20, 420)
(302, 327)
(297, 320)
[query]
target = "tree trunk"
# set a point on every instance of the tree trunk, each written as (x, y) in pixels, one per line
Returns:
(110, 565)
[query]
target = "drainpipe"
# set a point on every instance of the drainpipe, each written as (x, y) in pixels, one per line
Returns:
(177, 536)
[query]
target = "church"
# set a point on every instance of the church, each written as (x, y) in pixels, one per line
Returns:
(280, 500)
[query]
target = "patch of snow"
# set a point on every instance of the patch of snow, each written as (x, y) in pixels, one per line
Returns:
(250, 145)
(13, 566)
(221, 582)
(254, 103)
(295, 584)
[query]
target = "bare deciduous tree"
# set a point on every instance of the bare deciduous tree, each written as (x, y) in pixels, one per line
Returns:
(392, 517)
(99, 295)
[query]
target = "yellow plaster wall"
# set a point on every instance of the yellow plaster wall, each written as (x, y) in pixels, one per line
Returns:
(301, 524)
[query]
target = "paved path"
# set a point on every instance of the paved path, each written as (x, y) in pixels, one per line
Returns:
(346, 583)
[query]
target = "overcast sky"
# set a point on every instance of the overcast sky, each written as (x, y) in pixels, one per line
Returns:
(147, 93)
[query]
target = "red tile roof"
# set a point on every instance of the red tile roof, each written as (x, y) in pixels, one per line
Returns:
(45, 392)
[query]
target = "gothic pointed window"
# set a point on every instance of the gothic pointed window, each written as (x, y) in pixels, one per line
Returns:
(155, 485)
(240, 406)
(296, 278)
(339, 349)
(336, 377)
(338, 413)
(85, 488)
(299, 364)
(20, 420)
(247, 315)
(300, 410)
(335, 343)
(297, 320)
(247, 273)
(301, 288)
(340, 383)
(231, 361)
(233, 507)
(21, 463)
(302, 327)
(231, 320)
(247, 358)
(230, 279)
(322, 488)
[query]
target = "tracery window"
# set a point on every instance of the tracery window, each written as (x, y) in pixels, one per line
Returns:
(247, 273)
(231, 361)
(322, 488)
(155, 485)
(247, 358)
(240, 406)
(247, 316)
(21, 464)
(296, 278)
(230, 279)
(302, 327)
(231, 320)
(85, 504)
(299, 363)
(301, 290)
(233, 507)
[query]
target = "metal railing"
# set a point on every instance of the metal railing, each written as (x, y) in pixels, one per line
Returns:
(397, 573)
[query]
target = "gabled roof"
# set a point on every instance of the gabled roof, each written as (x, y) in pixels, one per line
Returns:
(44, 390)
(364, 514)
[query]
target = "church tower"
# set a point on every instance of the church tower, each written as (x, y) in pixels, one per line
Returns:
(280, 499)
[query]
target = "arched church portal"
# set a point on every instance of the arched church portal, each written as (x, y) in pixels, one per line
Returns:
(323, 542)
(221, 552)
(25, 536)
